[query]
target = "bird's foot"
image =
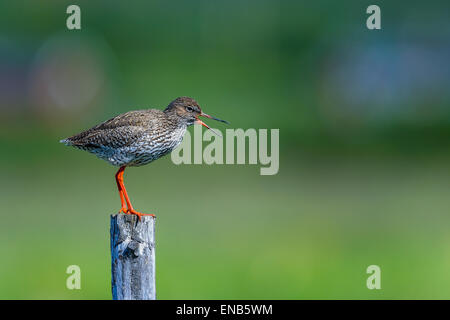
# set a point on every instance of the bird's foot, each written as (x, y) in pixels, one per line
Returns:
(124, 210)
(139, 214)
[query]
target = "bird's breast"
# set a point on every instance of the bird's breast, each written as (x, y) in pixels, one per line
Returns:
(153, 146)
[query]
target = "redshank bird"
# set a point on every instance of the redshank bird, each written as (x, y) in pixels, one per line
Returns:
(139, 137)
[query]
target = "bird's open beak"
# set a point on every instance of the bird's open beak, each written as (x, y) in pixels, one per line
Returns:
(210, 117)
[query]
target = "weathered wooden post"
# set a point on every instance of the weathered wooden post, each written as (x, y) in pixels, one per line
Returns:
(133, 257)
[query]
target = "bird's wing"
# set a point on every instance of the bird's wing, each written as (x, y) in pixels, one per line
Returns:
(116, 132)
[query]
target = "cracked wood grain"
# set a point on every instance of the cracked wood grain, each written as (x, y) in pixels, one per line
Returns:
(132, 257)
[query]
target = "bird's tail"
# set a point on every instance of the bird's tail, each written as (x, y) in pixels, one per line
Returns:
(67, 142)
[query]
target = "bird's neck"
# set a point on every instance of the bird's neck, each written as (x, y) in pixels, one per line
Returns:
(175, 120)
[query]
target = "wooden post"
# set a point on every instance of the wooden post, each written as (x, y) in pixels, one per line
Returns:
(132, 257)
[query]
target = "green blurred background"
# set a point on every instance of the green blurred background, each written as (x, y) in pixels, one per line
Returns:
(364, 119)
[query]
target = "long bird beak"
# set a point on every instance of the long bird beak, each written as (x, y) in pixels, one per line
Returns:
(210, 117)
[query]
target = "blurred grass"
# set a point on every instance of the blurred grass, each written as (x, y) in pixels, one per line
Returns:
(358, 185)
(308, 232)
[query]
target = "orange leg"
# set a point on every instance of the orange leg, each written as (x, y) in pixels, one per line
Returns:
(123, 194)
(119, 177)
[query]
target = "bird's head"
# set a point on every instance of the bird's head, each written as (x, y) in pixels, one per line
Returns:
(186, 110)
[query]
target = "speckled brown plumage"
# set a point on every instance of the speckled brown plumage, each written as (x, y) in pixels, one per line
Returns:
(139, 137)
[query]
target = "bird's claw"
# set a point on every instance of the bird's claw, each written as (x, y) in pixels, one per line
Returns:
(124, 210)
(132, 211)
(141, 214)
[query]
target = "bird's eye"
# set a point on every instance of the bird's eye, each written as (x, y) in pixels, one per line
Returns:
(189, 109)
